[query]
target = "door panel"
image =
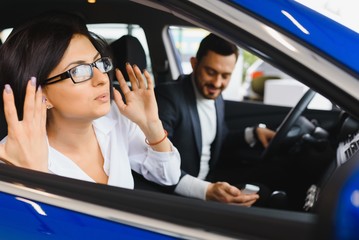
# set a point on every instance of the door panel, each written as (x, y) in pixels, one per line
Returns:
(240, 115)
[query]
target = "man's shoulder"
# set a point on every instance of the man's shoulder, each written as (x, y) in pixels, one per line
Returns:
(173, 85)
(184, 78)
(181, 80)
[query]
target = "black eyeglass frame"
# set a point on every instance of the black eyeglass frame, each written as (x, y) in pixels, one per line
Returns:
(67, 74)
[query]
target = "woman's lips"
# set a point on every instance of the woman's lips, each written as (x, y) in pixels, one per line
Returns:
(103, 97)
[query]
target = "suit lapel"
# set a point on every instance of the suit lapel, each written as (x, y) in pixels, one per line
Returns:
(192, 105)
(220, 116)
(216, 145)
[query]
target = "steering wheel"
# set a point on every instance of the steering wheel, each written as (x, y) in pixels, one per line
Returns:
(287, 124)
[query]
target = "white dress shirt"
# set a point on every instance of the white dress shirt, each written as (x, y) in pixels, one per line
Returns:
(208, 121)
(123, 148)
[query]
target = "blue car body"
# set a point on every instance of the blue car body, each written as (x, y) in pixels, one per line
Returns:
(25, 219)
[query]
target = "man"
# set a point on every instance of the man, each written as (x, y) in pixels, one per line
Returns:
(192, 111)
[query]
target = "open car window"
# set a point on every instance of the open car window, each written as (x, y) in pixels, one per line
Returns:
(253, 79)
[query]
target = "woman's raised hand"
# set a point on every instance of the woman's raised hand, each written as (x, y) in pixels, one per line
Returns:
(141, 105)
(26, 144)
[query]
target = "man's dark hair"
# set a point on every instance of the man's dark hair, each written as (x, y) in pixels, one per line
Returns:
(216, 44)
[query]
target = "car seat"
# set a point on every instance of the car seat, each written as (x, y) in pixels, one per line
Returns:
(128, 49)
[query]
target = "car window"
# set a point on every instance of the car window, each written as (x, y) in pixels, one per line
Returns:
(186, 41)
(4, 34)
(253, 79)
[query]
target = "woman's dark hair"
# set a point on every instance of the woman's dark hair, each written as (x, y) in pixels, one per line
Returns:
(216, 44)
(36, 47)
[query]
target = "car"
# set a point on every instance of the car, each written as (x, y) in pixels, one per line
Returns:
(320, 147)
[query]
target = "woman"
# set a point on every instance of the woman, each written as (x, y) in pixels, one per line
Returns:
(65, 118)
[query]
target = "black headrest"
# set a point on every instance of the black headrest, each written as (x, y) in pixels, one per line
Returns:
(128, 49)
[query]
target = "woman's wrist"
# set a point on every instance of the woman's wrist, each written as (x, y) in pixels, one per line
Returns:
(154, 131)
(156, 137)
(255, 130)
(158, 142)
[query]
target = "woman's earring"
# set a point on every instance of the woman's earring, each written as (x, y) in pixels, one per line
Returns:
(47, 106)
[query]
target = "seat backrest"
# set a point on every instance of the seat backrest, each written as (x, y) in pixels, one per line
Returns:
(128, 49)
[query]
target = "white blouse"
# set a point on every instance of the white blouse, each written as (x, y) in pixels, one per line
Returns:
(123, 148)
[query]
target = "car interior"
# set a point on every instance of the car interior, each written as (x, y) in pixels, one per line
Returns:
(303, 137)
(304, 148)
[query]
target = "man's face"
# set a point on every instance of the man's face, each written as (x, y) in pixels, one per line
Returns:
(212, 73)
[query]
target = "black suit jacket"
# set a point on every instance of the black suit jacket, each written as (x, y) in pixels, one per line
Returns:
(178, 111)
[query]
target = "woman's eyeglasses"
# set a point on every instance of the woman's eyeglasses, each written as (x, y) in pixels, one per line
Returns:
(83, 72)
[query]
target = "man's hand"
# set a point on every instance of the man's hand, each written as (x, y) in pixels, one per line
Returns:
(226, 193)
(264, 135)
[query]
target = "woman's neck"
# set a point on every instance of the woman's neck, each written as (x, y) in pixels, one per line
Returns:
(74, 135)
